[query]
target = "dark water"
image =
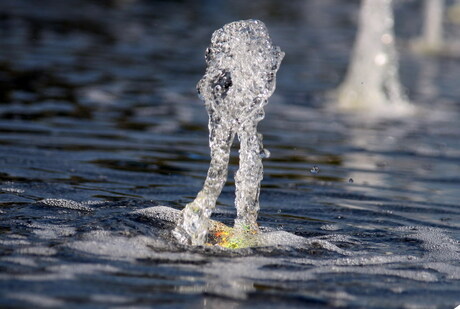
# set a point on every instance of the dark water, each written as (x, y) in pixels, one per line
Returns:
(99, 119)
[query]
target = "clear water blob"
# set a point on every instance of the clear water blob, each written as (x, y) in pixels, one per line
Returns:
(372, 82)
(240, 77)
(265, 153)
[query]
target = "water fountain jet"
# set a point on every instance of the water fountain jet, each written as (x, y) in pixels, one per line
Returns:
(432, 41)
(372, 81)
(240, 77)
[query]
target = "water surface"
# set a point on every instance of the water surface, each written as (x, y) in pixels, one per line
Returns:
(99, 120)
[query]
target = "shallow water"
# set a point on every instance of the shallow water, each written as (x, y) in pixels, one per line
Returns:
(99, 121)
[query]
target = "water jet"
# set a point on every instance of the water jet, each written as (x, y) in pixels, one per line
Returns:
(372, 82)
(240, 77)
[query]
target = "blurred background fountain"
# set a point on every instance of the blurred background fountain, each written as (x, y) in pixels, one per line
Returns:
(372, 82)
(454, 12)
(432, 40)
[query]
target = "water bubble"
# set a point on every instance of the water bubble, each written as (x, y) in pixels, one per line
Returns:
(350, 180)
(314, 170)
(208, 54)
(387, 38)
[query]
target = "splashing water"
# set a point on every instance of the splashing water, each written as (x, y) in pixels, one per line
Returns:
(241, 71)
(372, 82)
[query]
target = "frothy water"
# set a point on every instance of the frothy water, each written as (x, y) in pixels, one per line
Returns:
(240, 77)
(372, 82)
(134, 251)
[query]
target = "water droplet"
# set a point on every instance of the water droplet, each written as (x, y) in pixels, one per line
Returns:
(265, 153)
(350, 180)
(207, 55)
(314, 170)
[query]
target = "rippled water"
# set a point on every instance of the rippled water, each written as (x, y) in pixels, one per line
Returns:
(99, 121)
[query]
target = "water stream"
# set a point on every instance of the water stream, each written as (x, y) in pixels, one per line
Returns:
(240, 77)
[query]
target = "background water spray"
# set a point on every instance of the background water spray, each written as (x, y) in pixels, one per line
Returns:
(241, 72)
(432, 40)
(372, 81)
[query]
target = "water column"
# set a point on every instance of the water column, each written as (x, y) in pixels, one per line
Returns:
(240, 77)
(432, 39)
(372, 81)
(454, 12)
(432, 27)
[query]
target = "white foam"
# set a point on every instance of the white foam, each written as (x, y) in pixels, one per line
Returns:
(330, 227)
(262, 239)
(438, 245)
(63, 203)
(162, 213)
(279, 238)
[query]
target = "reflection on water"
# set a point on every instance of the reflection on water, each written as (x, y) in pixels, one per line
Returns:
(99, 121)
